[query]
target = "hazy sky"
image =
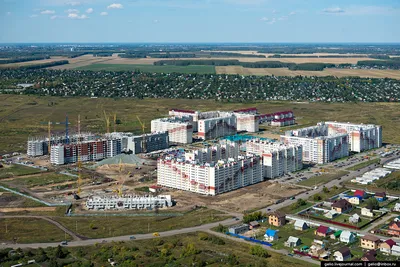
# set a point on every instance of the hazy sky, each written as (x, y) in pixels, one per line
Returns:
(199, 21)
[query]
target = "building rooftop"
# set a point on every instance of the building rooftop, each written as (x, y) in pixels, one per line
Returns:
(371, 238)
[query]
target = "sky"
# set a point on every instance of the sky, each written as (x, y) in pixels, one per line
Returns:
(204, 21)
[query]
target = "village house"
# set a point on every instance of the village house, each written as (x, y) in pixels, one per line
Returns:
(370, 255)
(342, 254)
(369, 242)
(354, 200)
(397, 207)
(347, 237)
(293, 242)
(331, 214)
(380, 196)
(254, 225)
(396, 250)
(300, 225)
(355, 218)
(360, 193)
(341, 206)
(271, 235)
(336, 234)
(277, 218)
(386, 246)
(394, 228)
(367, 212)
(322, 231)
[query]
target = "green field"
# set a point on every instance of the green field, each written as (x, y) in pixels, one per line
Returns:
(323, 178)
(150, 68)
(16, 170)
(20, 116)
(30, 230)
(40, 180)
(364, 164)
(195, 249)
(98, 227)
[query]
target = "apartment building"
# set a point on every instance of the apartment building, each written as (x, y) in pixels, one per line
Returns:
(147, 142)
(223, 124)
(128, 202)
(180, 129)
(247, 122)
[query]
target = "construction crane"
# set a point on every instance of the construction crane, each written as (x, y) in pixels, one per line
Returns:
(79, 158)
(144, 150)
(49, 123)
(115, 122)
(107, 121)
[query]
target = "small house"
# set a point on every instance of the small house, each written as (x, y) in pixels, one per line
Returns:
(347, 237)
(367, 212)
(380, 196)
(396, 250)
(369, 256)
(322, 231)
(300, 225)
(370, 242)
(293, 242)
(386, 246)
(360, 193)
(271, 235)
(238, 229)
(331, 214)
(397, 207)
(394, 228)
(342, 254)
(355, 200)
(355, 218)
(336, 234)
(254, 225)
(341, 206)
(277, 218)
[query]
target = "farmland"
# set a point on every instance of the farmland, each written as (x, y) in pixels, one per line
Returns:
(20, 115)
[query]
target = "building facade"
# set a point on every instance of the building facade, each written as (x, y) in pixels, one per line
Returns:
(128, 202)
(180, 129)
(222, 125)
(147, 142)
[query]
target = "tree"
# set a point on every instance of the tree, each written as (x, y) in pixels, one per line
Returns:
(258, 250)
(325, 189)
(335, 187)
(372, 203)
(317, 197)
(222, 229)
(189, 250)
(60, 254)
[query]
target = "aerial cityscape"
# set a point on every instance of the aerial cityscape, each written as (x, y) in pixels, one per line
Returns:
(199, 133)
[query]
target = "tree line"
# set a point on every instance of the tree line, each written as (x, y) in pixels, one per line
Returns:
(22, 59)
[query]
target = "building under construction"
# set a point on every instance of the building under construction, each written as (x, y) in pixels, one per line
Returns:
(180, 129)
(147, 143)
(128, 202)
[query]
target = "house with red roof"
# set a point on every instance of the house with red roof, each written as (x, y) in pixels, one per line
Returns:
(323, 231)
(394, 228)
(360, 193)
(386, 246)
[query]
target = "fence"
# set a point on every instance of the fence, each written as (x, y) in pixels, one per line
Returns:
(250, 239)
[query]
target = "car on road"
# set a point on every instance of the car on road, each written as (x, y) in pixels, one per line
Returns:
(292, 198)
(64, 243)
(103, 241)
(268, 209)
(132, 237)
(236, 219)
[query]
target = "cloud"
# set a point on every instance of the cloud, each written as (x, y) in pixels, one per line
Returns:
(272, 21)
(274, 11)
(89, 10)
(292, 13)
(73, 3)
(156, 21)
(48, 12)
(264, 19)
(283, 18)
(76, 16)
(33, 16)
(333, 10)
(103, 14)
(72, 11)
(115, 6)
(53, 17)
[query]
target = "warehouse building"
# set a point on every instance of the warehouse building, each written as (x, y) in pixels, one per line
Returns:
(223, 124)
(128, 202)
(180, 129)
(211, 171)
(278, 158)
(362, 137)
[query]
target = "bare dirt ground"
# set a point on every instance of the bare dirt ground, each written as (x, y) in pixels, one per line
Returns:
(33, 62)
(28, 209)
(81, 61)
(327, 72)
(249, 198)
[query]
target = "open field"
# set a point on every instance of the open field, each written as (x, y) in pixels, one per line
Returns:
(33, 62)
(40, 180)
(395, 74)
(206, 249)
(103, 226)
(323, 178)
(20, 116)
(81, 61)
(10, 200)
(150, 68)
(30, 230)
(16, 170)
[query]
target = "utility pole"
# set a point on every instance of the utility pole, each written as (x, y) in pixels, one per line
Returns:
(6, 228)
(76, 226)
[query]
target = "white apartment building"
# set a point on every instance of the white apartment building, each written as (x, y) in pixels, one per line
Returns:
(190, 172)
(247, 122)
(128, 202)
(35, 148)
(186, 113)
(180, 129)
(361, 136)
(278, 158)
(222, 125)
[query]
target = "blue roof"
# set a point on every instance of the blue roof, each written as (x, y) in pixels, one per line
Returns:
(270, 232)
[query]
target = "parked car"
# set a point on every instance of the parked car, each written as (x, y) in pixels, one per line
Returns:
(132, 237)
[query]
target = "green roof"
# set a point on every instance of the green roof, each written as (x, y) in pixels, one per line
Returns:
(337, 233)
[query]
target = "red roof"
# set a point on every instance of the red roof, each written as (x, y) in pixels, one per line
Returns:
(390, 242)
(323, 229)
(360, 193)
(155, 187)
(182, 110)
(245, 110)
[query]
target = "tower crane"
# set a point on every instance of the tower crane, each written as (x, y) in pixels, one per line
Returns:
(107, 121)
(49, 123)
(115, 122)
(79, 157)
(144, 150)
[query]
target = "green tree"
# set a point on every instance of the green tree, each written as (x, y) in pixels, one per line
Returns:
(258, 250)
(222, 229)
(317, 197)
(372, 203)
(189, 250)
(325, 189)
(60, 253)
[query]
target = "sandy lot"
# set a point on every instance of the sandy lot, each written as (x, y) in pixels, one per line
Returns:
(249, 198)
(81, 61)
(327, 72)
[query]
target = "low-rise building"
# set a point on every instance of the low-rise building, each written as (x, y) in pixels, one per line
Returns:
(254, 225)
(355, 218)
(300, 225)
(367, 212)
(369, 242)
(397, 207)
(293, 242)
(354, 200)
(386, 246)
(277, 218)
(238, 229)
(342, 254)
(128, 202)
(347, 237)
(360, 193)
(396, 250)
(341, 206)
(394, 228)
(271, 235)
(323, 231)
(336, 234)
(370, 255)
(380, 196)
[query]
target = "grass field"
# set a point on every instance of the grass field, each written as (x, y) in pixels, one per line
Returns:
(364, 164)
(29, 230)
(395, 74)
(44, 179)
(381, 184)
(20, 116)
(16, 170)
(291, 210)
(150, 68)
(323, 178)
(98, 227)
(33, 62)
